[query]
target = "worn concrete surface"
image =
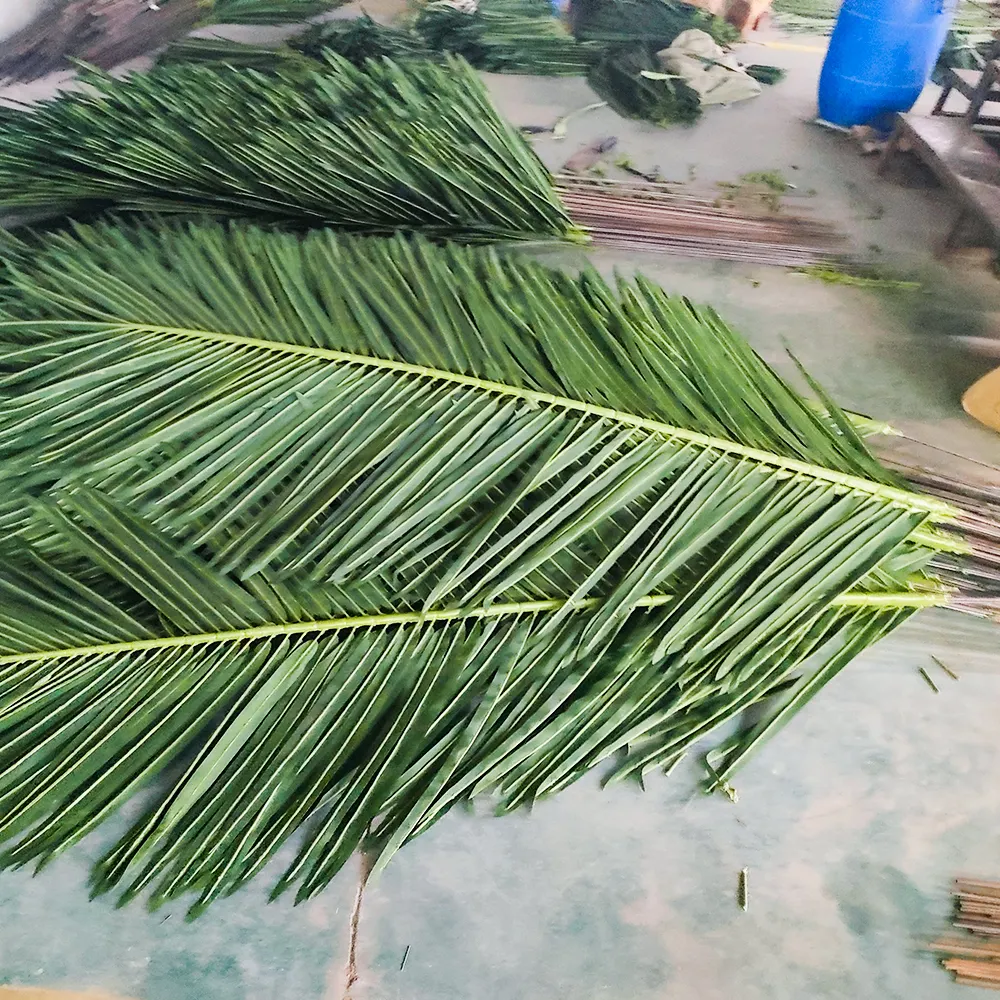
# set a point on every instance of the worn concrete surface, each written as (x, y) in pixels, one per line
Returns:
(852, 821)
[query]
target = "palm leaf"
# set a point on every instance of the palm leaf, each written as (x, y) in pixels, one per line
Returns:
(214, 50)
(368, 528)
(268, 11)
(374, 149)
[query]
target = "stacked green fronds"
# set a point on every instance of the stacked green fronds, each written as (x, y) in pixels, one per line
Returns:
(360, 39)
(506, 36)
(375, 149)
(224, 52)
(268, 11)
(765, 74)
(499, 36)
(652, 23)
(364, 529)
(628, 75)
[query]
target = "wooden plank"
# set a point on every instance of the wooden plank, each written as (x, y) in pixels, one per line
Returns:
(980, 972)
(977, 887)
(978, 927)
(966, 947)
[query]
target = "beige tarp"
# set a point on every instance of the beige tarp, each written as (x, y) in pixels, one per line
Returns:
(716, 76)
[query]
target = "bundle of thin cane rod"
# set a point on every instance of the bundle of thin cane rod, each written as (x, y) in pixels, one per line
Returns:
(974, 958)
(634, 215)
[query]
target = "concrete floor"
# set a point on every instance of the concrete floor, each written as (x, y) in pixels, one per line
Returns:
(852, 821)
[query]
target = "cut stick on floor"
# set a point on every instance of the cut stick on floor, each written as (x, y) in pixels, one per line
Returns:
(744, 889)
(927, 677)
(951, 673)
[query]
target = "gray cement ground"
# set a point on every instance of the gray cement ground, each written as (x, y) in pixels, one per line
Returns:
(852, 821)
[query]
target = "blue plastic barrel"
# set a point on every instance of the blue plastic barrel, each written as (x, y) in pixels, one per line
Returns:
(880, 56)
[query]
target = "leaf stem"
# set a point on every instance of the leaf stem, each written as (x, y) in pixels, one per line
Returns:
(878, 601)
(937, 509)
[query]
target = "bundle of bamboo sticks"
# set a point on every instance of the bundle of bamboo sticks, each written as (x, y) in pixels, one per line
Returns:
(655, 216)
(975, 958)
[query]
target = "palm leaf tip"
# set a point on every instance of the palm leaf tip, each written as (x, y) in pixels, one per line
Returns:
(356, 147)
(365, 528)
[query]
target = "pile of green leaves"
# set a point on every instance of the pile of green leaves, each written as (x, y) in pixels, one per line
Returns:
(632, 82)
(505, 36)
(375, 149)
(358, 530)
(216, 51)
(360, 39)
(267, 11)
(628, 75)
(500, 36)
(651, 23)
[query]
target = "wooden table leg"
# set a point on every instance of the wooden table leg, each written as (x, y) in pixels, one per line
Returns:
(890, 150)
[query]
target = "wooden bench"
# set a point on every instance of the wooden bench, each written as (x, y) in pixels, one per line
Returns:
(964, 163)
(978, 86)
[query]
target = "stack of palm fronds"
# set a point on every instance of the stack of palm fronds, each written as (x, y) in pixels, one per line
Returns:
(266, 11)
(213, 50)
(655, 23)
(628, 75)
(360, 39)
(374, 149)
(500, 36)
(505, 36)
(364, 529)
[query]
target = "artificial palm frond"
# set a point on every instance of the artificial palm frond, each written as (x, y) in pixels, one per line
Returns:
(222, 51)
(375, 527)
(505, 36)
(376, 149)
(360, 39)
(268, 11)
(763, 73)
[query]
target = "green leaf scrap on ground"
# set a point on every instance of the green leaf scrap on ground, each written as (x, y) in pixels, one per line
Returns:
(834, 277)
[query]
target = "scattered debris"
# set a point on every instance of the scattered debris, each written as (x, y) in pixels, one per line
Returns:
(587, 156)
(870, 140)
(559, 129)
(927, 677)
(744, 889)
(653, 176)
(755, 193)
